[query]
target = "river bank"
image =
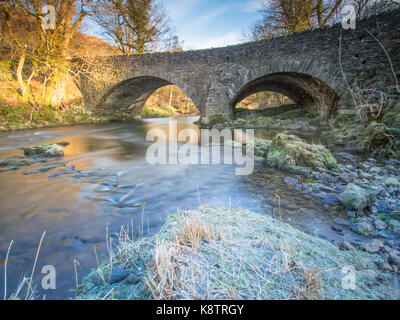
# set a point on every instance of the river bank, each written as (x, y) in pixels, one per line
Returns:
(220, 253)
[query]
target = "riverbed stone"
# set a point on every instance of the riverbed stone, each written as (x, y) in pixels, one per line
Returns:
(118, 274)
(373, 246)
(392, 182)
(394, 258)
(345, 246)
(394, 225)
(290, 181)
(380, 225)
(375, 170)
(362, 227)
(351, 214)
(355, 197)
(346, 177)
(45, 150)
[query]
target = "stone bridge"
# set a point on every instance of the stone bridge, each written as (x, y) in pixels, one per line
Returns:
(312, 68)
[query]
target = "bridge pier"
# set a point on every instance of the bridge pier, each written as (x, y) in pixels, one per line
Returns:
(216, 104)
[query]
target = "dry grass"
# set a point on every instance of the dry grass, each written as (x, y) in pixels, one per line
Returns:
(216, 253)
(311, 286)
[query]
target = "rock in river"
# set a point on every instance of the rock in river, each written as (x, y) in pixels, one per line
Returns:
(290, 151)
(355, 197)
(45, 150)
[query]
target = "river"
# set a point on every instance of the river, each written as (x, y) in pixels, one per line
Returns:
(104, 182)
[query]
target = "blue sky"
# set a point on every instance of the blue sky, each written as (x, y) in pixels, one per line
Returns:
(206, 23)
(211, 23)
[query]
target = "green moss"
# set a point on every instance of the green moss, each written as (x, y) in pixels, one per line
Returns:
(381, 140)
(19, 116)
(5, 70)
(289, 150)
(156, 113)
(216, 119)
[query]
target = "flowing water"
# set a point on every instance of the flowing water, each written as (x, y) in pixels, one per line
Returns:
(104, 182)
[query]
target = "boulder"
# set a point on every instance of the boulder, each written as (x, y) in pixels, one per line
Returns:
(356, 198)
(45, 150)
(288, 150)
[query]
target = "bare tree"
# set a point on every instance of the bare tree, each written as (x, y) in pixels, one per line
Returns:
(41, 52)
(367, 8)
(136, 26)
(287, 16)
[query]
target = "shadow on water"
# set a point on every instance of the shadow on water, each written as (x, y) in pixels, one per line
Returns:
(104, 180)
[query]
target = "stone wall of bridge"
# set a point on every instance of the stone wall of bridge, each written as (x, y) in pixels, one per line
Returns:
(314, 68)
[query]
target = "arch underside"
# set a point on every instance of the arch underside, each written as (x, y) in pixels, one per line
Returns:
(130, 95)
(305, 90)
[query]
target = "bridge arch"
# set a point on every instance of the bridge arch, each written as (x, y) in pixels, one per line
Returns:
(303, 89)
(129, 96)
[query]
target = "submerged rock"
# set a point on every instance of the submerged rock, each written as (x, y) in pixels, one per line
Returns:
(63, 143)
(355, 197)
(45, 150)
(14, 163)
(288, 151)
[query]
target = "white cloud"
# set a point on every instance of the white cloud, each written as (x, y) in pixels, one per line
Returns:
(178, 9)
(222, 41)
(204, 19)
(252, 5)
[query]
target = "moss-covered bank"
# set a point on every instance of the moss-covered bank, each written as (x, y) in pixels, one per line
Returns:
(17, 117)
(217, 253)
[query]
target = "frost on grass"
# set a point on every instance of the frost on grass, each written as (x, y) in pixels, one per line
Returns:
(216, 253)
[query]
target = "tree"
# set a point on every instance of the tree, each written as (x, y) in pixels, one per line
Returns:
(283, 17)
(173, 44)
(287, 16)
(41, 48)
(136, 26)
(367, 8)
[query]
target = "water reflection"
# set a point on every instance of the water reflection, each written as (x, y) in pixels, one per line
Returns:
(104, 180)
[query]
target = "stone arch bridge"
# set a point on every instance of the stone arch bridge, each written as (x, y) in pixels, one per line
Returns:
(305, 66)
